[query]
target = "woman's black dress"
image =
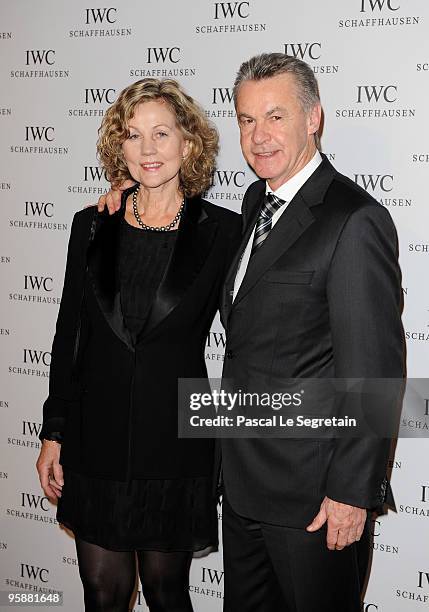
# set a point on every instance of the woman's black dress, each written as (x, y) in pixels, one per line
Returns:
(168, 514)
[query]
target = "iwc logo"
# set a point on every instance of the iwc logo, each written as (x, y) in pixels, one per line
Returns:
(211, 583)
(222, 104)
(33, 577)
(33, 507)
(100, 23)
(94, 182)
(93, 103)
(215, 346)
(418, 508)
(418, 247)
(40, 64)
(421, 594)
(379, 545)
(26, 436)
(39, 140)
(376, 102)
(164, 62)
(420, 158)
(382, 187)
(228, 186)
(37, 215)
(378, 14)
(230, 18)
(310, 52)
(35, 362)
(36, 289)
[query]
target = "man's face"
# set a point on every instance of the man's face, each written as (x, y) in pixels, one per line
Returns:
(276, 134)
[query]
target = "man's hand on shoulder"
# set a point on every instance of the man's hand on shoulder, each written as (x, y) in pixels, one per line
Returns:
(345, 523)
(112, 199)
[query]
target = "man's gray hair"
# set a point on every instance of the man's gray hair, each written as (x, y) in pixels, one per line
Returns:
(267, 65)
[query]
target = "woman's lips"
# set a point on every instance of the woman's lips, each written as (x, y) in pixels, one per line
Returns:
(152, 166)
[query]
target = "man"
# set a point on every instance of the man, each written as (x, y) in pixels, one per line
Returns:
(314, 292)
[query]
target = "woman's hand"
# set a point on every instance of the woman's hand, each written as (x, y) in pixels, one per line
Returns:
(112, 199)
(50, 470)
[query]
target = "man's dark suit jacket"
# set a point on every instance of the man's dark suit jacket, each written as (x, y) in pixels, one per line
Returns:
(116, 401)
(321, 298)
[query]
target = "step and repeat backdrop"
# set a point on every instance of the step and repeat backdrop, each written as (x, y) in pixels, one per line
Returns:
(61, 65)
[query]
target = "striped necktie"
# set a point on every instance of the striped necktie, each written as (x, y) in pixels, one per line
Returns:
(263, 225)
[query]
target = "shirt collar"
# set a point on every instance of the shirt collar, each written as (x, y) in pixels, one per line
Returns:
(288, 190)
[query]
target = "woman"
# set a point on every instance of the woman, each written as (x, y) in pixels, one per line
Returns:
(140, 291)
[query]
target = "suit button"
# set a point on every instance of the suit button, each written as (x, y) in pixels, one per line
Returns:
(229, 354)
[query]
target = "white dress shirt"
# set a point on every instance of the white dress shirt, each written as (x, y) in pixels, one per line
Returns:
(285, 192)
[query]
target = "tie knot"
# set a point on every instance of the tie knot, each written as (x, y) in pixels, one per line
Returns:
(271, 204)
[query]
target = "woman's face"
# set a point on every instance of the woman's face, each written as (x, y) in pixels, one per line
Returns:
(155, 147)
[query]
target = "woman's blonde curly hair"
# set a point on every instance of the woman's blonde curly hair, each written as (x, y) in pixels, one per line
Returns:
(197, 168)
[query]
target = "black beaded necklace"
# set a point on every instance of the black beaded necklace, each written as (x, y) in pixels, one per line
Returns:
(162, 228)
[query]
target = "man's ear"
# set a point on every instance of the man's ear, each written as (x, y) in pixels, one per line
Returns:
(314, 118)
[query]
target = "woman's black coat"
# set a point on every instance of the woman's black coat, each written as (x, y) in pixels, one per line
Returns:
(117, 403)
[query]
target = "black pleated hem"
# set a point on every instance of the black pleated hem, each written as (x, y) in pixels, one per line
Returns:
(154, 514)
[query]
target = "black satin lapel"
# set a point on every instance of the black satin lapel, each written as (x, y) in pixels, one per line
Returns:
(194, 241)
(228, 289)
(293, 222)
(102, 265)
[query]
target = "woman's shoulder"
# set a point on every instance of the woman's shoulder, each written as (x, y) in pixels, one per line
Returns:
(220, 213)
(85, 216)
(83, 222)
(229, 222)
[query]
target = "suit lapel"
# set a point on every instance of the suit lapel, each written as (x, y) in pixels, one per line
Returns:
(194, 240)
(254, 205)
(102, 264)
(292, 224)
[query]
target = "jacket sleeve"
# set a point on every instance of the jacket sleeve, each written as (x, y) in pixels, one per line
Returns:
(63, 390)
(365, 303)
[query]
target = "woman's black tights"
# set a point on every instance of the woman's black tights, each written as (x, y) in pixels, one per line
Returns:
(108, 578)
